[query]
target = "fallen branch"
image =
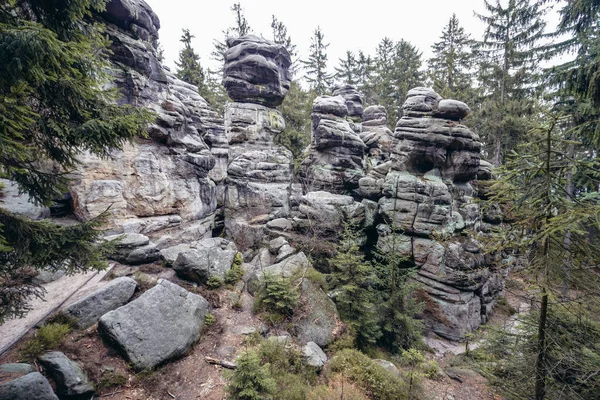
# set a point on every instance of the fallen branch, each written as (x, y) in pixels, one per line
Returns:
(111, 394)
(222, 363)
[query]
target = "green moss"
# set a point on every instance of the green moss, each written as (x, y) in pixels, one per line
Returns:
(48, 337)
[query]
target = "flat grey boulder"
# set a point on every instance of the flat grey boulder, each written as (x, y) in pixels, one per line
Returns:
(89, 309)
(388, 366)
(200, 264)
(133, 249)
(170, 254)
(313, 355)
(17, 368)
(71, 381)
(160, 325)
(452, 109)
(335, 105)
(28, 387)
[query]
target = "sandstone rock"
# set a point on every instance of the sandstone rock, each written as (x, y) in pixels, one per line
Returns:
(200, 264)
(452, 109)
(335, 105)
(170, 254)
(256, 71)
(133, 248)
(328, 211)
(314, 355)
(321, 322)
(284, 252)
(160, 325)
(354, 102)
(17, 368)
(28, 387)
(20, 203)
(376, 135)
(89, 309)
(276, 244)
(71, 381)
(388, 366)
(285, 268)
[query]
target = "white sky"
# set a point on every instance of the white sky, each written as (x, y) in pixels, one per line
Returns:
(347, 25)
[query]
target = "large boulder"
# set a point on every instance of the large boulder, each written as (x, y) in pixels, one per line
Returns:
(133, 248)
(160, 325)
(200, 264)
(321, 322)
(88, 310)
(354, 102)
(313, 355)
(286, 268)
(28, 387)
(71, 381)
(257, 71)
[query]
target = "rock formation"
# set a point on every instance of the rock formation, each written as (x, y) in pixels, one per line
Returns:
(426, 192)
(376, 135)
(161, 186)
(259, 174)
(336, 152)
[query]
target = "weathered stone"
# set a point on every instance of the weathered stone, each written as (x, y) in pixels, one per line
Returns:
(354, 102)
(321, 321)
(160, 325)
(133, 249)
(376, 135)
(285, 268)
(71, 381)
(17, 368)
(276, 244)
(20, 203)
(89, 309)
(256, 71)
(170, 254)
(388, 366)
(314, 355)
(452, 109)
(284, 252)
(200, 264)
(328, 211)
(28, 387)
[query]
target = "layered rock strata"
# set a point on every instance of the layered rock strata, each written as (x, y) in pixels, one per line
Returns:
(426, 197)
(162, 186)
(376, 135)
(259, 173)
(336, 152)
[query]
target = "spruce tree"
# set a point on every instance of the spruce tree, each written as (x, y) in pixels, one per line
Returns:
(240, 28)
(508, 70)
(450, 66)
(316, 65)
(281, 36)
(252, 379)
(53, 106)
(347, 70)
(188, 67)
(364, 77)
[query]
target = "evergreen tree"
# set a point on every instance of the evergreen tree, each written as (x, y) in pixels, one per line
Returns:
(352, 278)
(53, 106)
(364, 77)
(449, 68)
(280, 36)
(188, 67)
(316, 65)
(347, 71)
(251, 380)
(508, 72)
(296, 109)
(241, 27)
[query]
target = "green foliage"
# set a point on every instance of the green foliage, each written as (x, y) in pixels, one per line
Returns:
(236, 272)
(278, 296)
(111, 379)
(214, 282)
(315, 66)
(48, 337)
(296, 109)
(451, 64)
(188, 67)
(209, 320)
(53, 106)
(251, 380)
(368, 375)
(352, 280)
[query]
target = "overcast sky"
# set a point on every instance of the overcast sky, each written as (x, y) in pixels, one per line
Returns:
(347, 25)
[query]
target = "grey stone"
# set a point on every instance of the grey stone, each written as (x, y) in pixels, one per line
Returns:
(452, 109)
(314, 355)
(321, 321)
(48, 276)
(128, 240)
(388, 366)
(160, 325)
(28, 387)
(200, 264)
(20, 203)
(276, 244)
(285, 268)
(88, 310)
(354, 102)
(281, 224)
(70, 379)
(17, 368)
(256, 71)
(170, 254)
(284, 252)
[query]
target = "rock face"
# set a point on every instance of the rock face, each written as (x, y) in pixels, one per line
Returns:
(259, 173)
(160, 325)
(163, 186)
(257, 71)
(133, 248)
(376, 135)
(354, 102)
(89, 309)
(71, 381)
(335, 160)
(200, 264)
(428, 187)
(27, 387)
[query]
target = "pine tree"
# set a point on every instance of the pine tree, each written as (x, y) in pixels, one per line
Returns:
(188, 67)
(364, 77)
(450, 66)
(251, 380)
(316, 65)
(296, 109)
(352, 279)
(281, 36)
(508, 71)
(53, 106)
(346, 72)
(240, 28)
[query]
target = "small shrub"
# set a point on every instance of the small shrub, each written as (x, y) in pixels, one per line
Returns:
(337, 388)
(214, 282)
(503, 305)
(278, 296)
(110, 379)
(251, 380)
(63, 319)
(46, 338)
(236, 272)
(209, 320)
(368, 375)
(431, 370)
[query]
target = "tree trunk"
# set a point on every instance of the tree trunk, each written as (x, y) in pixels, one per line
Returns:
(540, 365)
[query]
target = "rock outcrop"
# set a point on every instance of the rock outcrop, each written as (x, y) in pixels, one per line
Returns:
(71, 381)
(336, 152)
(160, 325)
(259, 174)
(376, 135)
(27, 387)
(198, 265)
(161, 186)
(426, 190)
